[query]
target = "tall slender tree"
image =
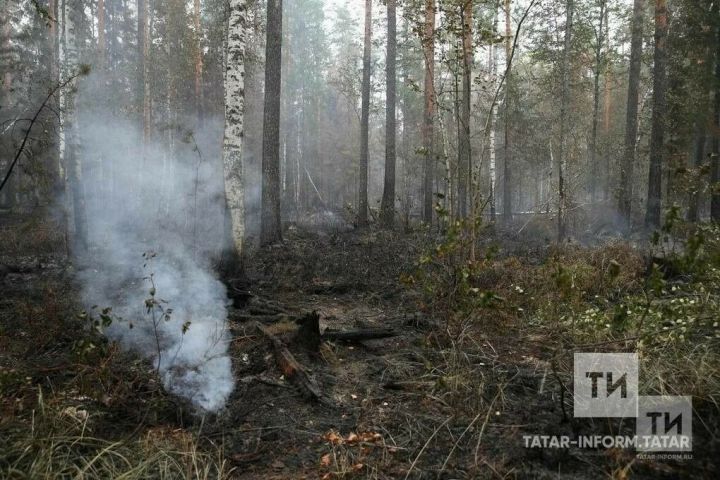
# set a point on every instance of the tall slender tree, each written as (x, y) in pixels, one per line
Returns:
(657, 134)
(564, 99)
(599, 60)
(199, 91)
(365, 120)
(465, 157)
(143, 88)
(715, 162)
(387, 206)
(507, 180)
(492, 60)
(270, 227)
(237, 33)
(429, 110)
(631, 120)
(74, 16)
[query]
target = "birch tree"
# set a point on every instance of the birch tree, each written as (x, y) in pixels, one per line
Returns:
(234, 129)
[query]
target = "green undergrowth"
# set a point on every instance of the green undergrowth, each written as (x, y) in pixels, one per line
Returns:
(661, 300)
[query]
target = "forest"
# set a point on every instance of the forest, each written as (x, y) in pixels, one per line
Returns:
(359, 239)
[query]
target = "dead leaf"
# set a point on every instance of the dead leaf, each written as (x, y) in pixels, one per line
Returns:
(325, 460)
(333, 437)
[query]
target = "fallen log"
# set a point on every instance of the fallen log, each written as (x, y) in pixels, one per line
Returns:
(263, 318)
(292, 369)
(358, 335)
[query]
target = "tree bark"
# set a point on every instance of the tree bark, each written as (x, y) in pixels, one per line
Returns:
(74, 12)
(607, 105)
(596, 103)
(492, 59)
(698, 154)
(715, 162)
(387, 206)
(233, 137)
(270, 228)
(199, 92)
(429, 111)
(101, 45)
(631, 122)
(364, 120)
(144, 100)
(564, 98)
(464, 157)
(657, 135)
(507, 181)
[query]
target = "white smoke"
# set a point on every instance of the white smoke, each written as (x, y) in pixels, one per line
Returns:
(165, 198)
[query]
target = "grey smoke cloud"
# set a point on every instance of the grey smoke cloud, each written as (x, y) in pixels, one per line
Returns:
(167, 201)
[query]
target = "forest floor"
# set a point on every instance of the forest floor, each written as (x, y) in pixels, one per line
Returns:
(449, 396)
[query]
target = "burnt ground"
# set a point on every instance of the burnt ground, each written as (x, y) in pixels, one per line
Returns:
(421, 404)
(411, 406)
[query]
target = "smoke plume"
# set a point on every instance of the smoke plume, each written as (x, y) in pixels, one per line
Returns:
(155, 221)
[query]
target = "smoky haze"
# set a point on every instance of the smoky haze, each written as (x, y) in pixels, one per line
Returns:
(154, 218)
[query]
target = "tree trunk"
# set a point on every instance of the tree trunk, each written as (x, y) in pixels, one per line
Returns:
(387, 206)
(429, 112)
(698, 154)
(657, 135)
(564, 98)
(492, 60)
(607, 105)
(9, 193)
(715, 162)
(596, 103)
(144, 68)
(270, 227)
(101, 44)
(631, 123)
(464, 157)
(74, 12)
(364, 120)
(233, 137)
(199, 92)
(507, 185)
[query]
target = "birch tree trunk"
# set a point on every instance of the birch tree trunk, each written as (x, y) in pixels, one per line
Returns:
(429, 110)
(270, 225)
(364, 120)
(233, 137)
(631, 122)
(492, 60)
(507, 181)
(657, 134)
(387, 207)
